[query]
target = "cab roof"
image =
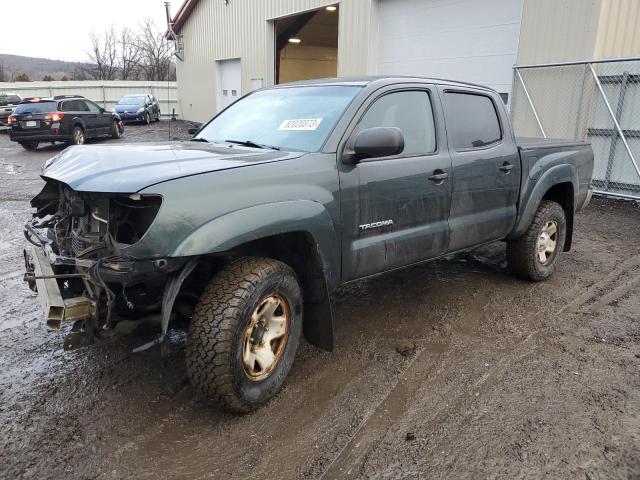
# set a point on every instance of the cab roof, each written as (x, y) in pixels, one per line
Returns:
(380, 80)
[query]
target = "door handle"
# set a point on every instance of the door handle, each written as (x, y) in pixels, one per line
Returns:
(506, 167)
(438, 176)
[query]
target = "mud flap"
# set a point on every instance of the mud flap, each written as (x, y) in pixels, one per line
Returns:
(318, 323)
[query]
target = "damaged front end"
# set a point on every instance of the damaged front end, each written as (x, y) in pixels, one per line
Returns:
(81, 266)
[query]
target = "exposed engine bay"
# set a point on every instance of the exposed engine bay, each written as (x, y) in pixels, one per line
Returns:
(81, 241)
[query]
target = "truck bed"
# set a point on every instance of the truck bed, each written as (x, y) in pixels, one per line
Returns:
(526, 143)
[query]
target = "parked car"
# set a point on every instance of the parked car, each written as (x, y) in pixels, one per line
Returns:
(246, 230)
(8, 102)
(138, 108)
(64, 118)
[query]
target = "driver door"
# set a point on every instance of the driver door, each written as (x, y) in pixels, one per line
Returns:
(395, 209)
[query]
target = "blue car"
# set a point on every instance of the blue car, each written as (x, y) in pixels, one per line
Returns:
(138, 108)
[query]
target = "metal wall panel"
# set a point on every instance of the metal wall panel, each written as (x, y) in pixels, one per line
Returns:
(619, 29)
(243, 29)
(558, 30)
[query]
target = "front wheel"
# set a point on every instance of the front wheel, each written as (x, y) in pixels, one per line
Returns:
(244, 333)
(147, 118)
(534, 255)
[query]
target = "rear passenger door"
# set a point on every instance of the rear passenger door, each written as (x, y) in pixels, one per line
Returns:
(394, 209)
(486, 168)
(102, 119)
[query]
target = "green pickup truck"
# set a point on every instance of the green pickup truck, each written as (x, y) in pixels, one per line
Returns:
(242, 233)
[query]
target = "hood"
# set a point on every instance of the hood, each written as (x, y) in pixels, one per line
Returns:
(122, 106)
(131, 167)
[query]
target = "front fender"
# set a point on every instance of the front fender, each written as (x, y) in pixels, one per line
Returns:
(531, 199)
(241, 226)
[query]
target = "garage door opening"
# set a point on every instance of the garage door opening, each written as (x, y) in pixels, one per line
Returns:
(307, 45)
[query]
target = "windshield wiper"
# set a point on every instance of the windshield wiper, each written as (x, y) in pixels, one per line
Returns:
(249, 143)
(200, 139)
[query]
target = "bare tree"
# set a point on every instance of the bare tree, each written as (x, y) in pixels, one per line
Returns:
(156, 61)
(129, 54)
(3, 74)
(104, 55)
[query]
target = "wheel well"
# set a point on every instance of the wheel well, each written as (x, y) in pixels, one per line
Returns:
(562, 193)
(296, 249)
(299, 250)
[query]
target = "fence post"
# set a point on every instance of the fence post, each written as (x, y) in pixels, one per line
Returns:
(535, 113)
(104, 98)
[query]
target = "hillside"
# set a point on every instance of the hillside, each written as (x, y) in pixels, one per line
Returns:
(36, 68)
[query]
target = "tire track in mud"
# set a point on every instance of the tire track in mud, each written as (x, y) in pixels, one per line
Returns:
(393, 405)
(605, 289)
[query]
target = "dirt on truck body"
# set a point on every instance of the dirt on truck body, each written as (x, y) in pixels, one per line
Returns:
(451, 369)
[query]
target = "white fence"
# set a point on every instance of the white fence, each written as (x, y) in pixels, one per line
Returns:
(104, 92)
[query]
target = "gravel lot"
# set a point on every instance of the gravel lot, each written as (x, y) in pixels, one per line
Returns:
(452, 369)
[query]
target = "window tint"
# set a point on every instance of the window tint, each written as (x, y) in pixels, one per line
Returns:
(9, 100)
(74, 106)
(36, 107)
(90, 106)
(472, 120)
(410, 112)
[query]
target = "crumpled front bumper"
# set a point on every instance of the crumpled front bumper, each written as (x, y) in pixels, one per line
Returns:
(42, 279)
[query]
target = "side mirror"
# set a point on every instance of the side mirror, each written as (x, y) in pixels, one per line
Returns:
(102, 110)
(192, 131)
(377, 142)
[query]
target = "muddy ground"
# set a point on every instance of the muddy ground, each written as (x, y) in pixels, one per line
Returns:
(452, 369)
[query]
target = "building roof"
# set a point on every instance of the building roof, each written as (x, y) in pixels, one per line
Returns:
(183, 13)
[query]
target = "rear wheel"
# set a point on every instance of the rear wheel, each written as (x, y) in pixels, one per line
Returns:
(115, 129)
(29, 145)
(244, 333)
(77, 136)
(535, 254)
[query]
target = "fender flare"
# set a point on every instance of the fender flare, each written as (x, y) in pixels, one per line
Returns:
(555, 175)
(260, 221)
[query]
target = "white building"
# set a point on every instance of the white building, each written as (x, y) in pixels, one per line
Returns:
(230, 47)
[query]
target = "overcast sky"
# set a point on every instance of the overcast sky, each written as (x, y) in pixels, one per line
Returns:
(60, 29)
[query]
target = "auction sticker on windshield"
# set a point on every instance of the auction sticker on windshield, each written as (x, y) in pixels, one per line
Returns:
(300, 124)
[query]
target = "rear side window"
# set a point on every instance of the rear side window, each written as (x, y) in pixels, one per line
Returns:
(472, 121)
(38, 107)
(409, 111)
(9, 100)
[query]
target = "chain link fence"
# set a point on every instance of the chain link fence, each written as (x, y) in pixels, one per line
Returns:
(596, 101)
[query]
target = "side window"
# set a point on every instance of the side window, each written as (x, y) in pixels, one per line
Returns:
(472, 120)
(64, 107)
(411, 112)
(91, 107)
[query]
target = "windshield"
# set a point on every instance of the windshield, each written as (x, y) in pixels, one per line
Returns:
(36, 107)
(290, 118)
(132, 100)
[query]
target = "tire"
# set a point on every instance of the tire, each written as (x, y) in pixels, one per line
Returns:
(525, 254)
(29, 145)
(218, 339)
(78, 136)
(147, 118)
(158, 116)
(115, 130)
